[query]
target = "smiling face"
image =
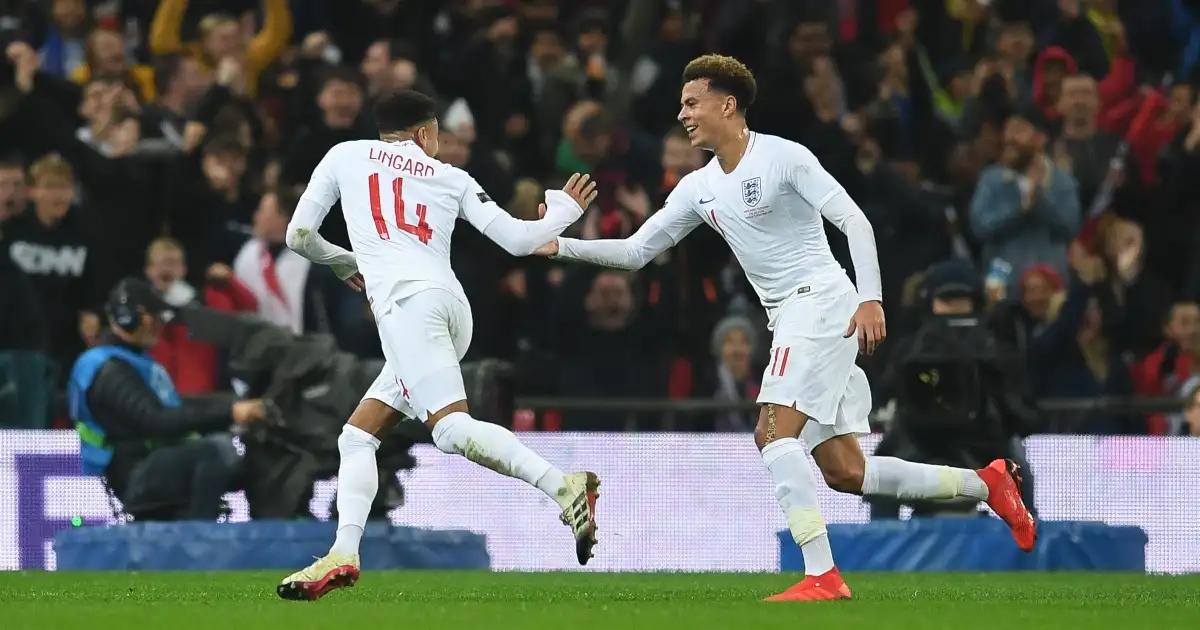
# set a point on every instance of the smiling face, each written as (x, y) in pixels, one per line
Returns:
(704, 112)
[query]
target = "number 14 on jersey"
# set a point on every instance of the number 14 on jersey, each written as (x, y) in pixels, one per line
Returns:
(420, 229)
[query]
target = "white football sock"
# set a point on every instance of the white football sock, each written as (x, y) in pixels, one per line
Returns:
(796, 490)
(496, 448)
(892, 477)
(357, 483)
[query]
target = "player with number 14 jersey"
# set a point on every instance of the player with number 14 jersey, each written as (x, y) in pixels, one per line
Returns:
(401, 205)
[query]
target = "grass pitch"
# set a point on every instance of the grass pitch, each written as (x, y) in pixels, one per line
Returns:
(659, 601)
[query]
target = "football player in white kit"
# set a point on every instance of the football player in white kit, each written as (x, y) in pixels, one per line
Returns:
(766, 196)
(401, 205)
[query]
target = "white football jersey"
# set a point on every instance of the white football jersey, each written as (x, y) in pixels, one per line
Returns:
(400, 207)
(769, 210)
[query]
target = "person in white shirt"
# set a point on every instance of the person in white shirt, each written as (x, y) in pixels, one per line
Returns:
(767, 196)
(400, 206)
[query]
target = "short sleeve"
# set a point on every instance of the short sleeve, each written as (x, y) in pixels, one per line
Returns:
(476, 206)
(804, 173)
(322, 187)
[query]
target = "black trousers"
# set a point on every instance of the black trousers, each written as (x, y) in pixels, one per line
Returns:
(191, 476)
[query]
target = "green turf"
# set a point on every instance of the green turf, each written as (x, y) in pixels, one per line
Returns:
(571, 601)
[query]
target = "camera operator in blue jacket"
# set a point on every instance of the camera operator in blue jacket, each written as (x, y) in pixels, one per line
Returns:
(158, 453)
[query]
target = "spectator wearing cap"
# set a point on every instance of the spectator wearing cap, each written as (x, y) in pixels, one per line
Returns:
(154, 450)
(1025, 209)
(953, 288)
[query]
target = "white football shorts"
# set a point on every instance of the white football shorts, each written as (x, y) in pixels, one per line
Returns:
(812, 367)
(424, 336)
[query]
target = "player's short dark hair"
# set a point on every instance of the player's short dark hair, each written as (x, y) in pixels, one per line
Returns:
(403, 110)
(724, 74)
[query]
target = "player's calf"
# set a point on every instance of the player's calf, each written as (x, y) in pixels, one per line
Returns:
(496, 448)
(842, 463)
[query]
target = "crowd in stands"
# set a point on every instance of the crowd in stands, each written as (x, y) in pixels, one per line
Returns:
(1055, 144)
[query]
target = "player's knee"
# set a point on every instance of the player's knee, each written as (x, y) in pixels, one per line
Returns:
(845, 476)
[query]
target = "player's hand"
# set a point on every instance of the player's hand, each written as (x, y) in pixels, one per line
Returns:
(350, 275)
(581, 189)
(356, 282)
(247, 411)
(549, 249)
(868, 323)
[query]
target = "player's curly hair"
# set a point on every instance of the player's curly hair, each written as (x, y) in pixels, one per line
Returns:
(725, 74)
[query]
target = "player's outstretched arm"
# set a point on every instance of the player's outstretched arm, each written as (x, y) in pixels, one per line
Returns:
(522, 238)
(662, 231)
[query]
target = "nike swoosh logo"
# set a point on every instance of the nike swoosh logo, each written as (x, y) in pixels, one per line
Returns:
(709, 200)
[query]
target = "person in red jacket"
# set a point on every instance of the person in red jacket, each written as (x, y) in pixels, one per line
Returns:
(193, 365)
(1164, 371)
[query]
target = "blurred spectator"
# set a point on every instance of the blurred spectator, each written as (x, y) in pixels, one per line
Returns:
(213, 206)
(22, 320)
(105, 56)
(290, 291)
(1025, 209)
(731, 378)
(1167, 370)
(1082, 149)
(222, 36)
(1190, 424)
(1016, 321)
(13, 193)
(1074, 355)
(179, 82)
(192, 365)
(54, 245)
(63, 50)
(340, 100)
(607, 356)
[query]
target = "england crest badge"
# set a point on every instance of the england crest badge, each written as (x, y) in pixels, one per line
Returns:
(752, 191)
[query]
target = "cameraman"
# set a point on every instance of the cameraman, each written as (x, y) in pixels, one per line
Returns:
(960, 392)
(156, 452)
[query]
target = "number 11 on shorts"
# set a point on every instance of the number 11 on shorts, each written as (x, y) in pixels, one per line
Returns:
(421, 229)
(779, 358)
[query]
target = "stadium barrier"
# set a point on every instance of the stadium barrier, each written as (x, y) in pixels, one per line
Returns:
(670, 501)
(258, 545)
(976, 545)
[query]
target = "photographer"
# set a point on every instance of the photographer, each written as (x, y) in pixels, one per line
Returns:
(158, 454)
(961, 395)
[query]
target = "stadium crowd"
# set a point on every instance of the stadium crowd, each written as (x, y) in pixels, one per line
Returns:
(1052, 144)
